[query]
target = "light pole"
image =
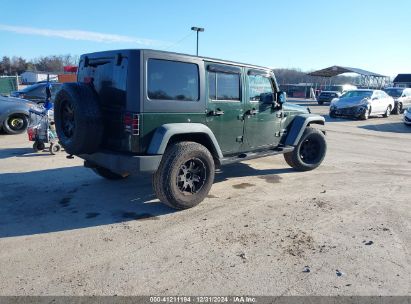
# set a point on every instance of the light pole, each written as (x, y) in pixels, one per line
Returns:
(197, 29)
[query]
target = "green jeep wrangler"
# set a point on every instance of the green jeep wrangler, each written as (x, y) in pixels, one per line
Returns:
(179, 117)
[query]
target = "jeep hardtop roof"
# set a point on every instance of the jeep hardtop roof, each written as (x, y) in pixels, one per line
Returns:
(182, 54)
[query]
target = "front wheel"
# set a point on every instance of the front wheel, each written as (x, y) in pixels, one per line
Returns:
(309, 152)
(185, 175)
(387, 112)
(366, 114)
(54, 148)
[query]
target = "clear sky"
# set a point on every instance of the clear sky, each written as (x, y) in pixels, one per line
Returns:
(372, 35)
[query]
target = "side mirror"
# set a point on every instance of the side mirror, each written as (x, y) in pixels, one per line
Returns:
(267, 98)
(281, 97)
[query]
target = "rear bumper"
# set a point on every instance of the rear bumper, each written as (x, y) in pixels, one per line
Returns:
(122, 163)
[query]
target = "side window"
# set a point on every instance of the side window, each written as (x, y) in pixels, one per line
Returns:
(172, 80)
(223, 86)
(259, 87)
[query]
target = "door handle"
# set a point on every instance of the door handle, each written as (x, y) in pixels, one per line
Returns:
(217, 112)
(252, 112)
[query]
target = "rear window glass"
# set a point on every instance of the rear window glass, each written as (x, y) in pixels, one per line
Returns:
(172, 80)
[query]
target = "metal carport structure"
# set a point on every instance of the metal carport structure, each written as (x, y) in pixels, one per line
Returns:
(367, 79)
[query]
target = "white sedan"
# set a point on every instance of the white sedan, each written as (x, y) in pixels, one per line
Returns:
(362, 104)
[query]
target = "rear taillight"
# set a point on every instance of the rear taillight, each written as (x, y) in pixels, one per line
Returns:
(131, 123)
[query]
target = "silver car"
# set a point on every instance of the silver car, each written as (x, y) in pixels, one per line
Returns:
(14, 114)
(362, 104)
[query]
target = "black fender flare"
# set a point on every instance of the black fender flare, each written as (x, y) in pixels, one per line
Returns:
(298, 126)
(163, 134)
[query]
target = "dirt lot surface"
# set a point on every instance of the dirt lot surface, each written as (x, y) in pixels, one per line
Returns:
(66, 231)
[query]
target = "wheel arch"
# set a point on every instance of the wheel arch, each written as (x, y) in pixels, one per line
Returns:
(196, 132)
(298, 126)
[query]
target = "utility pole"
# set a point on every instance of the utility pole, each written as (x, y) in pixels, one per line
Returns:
(197, 29)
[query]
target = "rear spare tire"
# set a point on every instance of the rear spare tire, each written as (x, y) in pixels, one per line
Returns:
(78, 118)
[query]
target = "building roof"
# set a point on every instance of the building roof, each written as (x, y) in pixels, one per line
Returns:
(337, 70)
(403, 78)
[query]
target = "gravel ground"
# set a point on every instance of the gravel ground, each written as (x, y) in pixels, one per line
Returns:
(342, 229)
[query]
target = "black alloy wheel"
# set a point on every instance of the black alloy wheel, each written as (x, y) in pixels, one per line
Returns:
(191, 176)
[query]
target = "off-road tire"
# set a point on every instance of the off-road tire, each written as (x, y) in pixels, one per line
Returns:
(78, 118)
(166, 178)
(9, 128)
(295, 158)
(107, 174)
(388, 111)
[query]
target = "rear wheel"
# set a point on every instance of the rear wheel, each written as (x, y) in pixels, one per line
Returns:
(398, 108)
(185, 175)
(107, 174)
(15, 124)
(309, 152)
(320, 102)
